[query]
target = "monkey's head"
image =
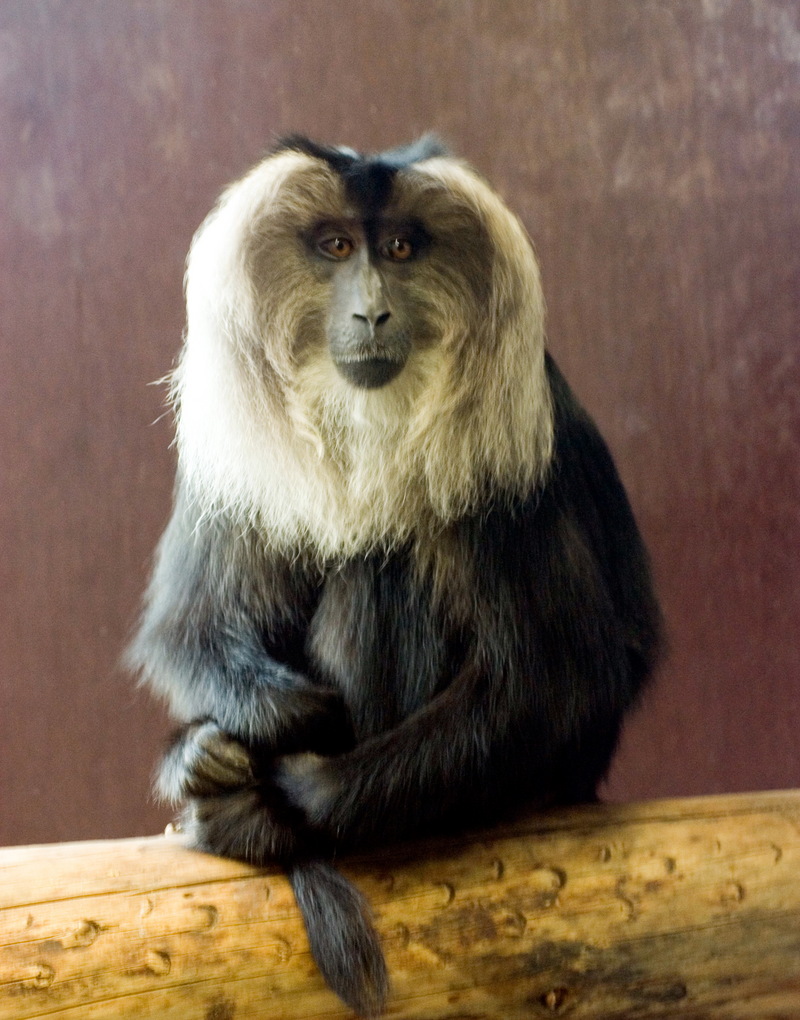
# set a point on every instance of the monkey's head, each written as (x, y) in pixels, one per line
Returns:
(364, 355)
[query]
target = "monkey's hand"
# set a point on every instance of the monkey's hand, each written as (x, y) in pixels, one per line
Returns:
(310, 784)
(204, 761)
(229, 810)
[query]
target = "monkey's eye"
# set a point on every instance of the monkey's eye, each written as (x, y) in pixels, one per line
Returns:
(398, 248)
(338, 247)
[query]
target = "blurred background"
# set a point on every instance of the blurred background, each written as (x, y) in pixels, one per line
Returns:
(652, 150)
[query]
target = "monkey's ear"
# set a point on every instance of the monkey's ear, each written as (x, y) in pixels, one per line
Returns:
(429, 146)
(337, 156)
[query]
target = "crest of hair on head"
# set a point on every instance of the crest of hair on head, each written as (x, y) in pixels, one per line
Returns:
(269, 431)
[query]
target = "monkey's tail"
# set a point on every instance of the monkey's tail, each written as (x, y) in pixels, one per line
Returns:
(343, 940)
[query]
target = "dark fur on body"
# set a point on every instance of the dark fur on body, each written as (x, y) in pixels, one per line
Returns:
(435, 684)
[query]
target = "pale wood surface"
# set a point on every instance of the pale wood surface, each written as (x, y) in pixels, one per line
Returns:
(685, 908)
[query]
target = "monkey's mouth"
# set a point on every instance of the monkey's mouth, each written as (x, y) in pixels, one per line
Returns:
(369, 373)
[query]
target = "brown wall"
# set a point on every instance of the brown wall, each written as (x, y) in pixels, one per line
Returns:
(653, 150)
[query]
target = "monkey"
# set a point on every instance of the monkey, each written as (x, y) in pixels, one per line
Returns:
(402, 591)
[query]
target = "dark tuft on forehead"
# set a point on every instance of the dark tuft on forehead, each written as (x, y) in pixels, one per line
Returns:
(367, 178)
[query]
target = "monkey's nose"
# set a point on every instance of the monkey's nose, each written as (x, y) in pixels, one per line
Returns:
(372, 319)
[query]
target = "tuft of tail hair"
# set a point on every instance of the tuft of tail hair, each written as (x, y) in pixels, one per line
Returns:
(343, 940)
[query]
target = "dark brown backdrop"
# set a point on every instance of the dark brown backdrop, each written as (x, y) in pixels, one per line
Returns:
(653, 150)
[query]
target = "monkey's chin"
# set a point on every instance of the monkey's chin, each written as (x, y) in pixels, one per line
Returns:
(370, 373)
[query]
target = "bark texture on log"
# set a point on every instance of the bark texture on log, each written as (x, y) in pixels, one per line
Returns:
(684, 908)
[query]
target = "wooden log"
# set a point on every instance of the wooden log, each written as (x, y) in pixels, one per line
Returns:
(685, 908)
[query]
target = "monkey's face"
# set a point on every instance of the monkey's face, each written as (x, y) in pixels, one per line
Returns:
(371, 269)
(393, 283)
(366, 286)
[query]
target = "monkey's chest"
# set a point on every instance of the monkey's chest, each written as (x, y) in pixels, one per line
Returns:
(377, 637)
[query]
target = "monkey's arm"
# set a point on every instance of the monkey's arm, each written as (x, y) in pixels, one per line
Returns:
(221, 637)
(533, 719)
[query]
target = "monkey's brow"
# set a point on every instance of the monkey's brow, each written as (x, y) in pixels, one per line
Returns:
(373, 226)
(332, 224)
